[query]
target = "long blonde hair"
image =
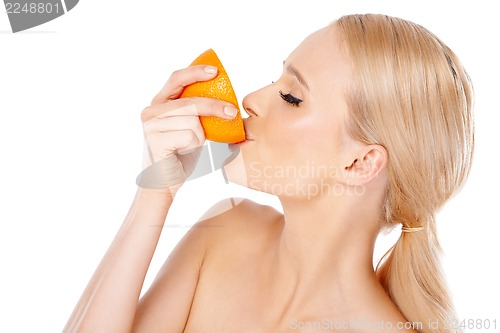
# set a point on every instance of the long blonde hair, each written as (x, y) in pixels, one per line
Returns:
(412, 95)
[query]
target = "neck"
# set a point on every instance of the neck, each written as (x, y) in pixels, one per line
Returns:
(328, 241)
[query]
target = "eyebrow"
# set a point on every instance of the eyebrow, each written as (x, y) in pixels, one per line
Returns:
(293, 71)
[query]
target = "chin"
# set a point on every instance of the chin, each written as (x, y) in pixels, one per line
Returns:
(234, 168)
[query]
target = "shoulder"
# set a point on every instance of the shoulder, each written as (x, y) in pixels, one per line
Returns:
(240, 207)
(238, 219)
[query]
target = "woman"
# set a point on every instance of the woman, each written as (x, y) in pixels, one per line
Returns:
(369, 127)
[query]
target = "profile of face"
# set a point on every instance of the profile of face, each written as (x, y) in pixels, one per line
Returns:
(351, 94)
(297, 140)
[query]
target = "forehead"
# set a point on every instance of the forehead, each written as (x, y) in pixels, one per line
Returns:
(323, 61)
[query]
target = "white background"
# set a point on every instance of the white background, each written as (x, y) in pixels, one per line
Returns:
(71, 92)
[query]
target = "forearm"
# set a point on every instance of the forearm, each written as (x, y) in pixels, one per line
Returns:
(109, 301)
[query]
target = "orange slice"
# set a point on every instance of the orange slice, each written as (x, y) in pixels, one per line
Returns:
(217, 129)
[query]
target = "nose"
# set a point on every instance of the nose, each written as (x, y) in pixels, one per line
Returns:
(248, 107)
(255, 103)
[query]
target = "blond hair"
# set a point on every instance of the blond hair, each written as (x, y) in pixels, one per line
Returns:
(412, 96)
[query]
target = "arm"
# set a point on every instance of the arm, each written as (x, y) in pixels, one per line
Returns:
(109, 302)
(166, 307)
(171, 126)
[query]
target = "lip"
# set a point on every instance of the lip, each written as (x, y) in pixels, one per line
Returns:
(248, 135)
(241, 142)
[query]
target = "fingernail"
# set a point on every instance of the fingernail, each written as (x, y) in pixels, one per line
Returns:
(210, 69)
(230, 111)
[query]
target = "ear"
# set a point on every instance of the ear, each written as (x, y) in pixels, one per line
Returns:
(367, 164)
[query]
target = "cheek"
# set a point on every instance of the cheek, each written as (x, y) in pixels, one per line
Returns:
(295, 159)
(298, 136)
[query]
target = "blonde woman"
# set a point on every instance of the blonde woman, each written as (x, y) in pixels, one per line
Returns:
(369, 127)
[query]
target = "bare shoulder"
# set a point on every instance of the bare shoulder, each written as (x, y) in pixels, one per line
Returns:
(238, 206)
(239, 219)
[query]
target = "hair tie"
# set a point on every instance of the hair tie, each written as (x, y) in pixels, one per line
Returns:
(410, 229)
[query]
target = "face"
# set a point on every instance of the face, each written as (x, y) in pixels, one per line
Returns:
(297, 142)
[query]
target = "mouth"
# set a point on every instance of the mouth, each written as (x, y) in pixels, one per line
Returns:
(241, 142)
(248, 137)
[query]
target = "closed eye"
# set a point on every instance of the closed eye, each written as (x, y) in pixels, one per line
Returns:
(290, 99)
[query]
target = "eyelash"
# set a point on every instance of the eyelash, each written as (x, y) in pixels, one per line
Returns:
(290, 99)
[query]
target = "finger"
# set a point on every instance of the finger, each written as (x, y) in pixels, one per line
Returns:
(192, 106)
(172, 142)
(180, 79)
(162, 125)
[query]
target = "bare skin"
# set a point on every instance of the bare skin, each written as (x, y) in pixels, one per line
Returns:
(250, 268)
(248, 281)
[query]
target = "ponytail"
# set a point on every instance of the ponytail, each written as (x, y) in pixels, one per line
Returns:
(412, 277)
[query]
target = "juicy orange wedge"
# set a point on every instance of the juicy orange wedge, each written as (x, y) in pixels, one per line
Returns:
(215, 128)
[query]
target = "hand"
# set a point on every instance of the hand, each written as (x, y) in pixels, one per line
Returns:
(173, 135)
